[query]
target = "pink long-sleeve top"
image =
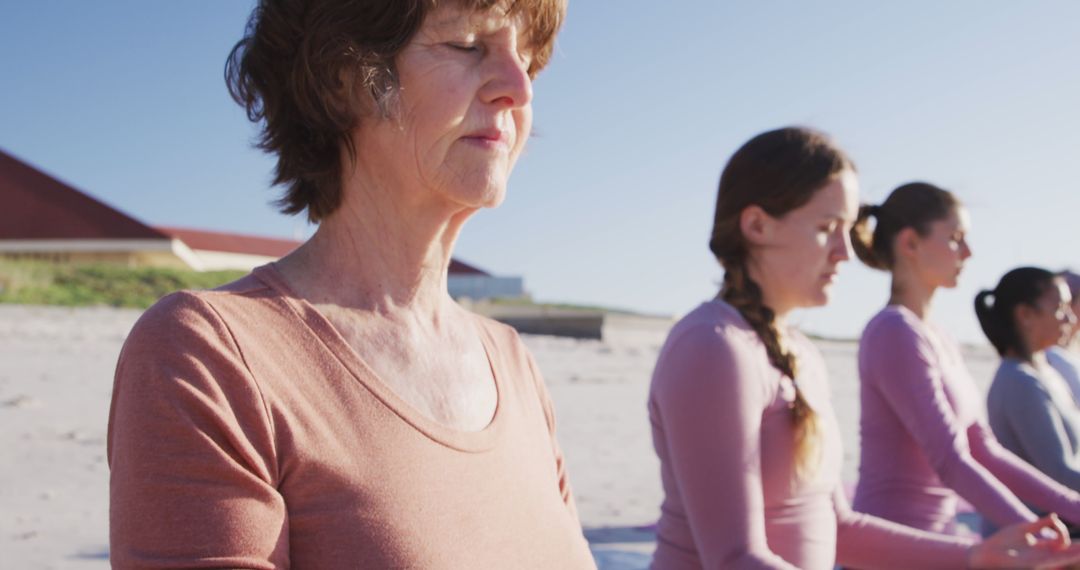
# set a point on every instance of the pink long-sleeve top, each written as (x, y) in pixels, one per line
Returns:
(722, 428)
(924, 440)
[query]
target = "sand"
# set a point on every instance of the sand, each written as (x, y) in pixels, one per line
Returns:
(56, 369)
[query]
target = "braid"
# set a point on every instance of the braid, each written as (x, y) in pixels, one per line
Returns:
(741, 292)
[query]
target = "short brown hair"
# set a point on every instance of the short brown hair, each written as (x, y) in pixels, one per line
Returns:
(287, 73)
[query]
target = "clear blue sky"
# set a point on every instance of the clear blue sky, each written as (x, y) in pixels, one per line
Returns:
(638, 111)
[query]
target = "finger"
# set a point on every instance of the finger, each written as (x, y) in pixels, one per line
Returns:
(1049, 533)
(1061, 530)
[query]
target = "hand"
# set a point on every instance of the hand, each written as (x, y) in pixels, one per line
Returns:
(1040, 544)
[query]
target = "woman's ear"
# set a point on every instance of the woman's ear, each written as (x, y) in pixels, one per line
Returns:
(906, 243)
(755, 225)
(1022, 315)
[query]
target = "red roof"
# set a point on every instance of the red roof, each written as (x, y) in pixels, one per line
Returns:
(232, 243)
(34, 205)
(38, 206)
(462, 268)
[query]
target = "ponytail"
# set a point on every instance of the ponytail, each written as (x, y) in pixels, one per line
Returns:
(912, 205)
(996, 309)
(863, 242)
(996, 329)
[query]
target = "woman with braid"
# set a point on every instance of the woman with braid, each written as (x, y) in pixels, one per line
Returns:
(748, 443)
(924, 437)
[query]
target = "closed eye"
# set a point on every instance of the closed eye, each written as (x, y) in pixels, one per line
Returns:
(465, 47)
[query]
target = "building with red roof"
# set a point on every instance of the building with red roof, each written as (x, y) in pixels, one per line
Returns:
(44, 218)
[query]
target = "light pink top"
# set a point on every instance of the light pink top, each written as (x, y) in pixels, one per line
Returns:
(723, 431)
(246, 433)
(924, 439)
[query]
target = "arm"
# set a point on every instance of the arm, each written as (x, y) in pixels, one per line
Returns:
(906, 375)
(864, 541)
(190, 449)
(1030, 484)
(1038, 425)
(709, 400)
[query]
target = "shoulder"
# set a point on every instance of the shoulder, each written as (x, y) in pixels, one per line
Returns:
(893, 323)
(714, 328)
(1062, 360)
(195, 330)
(499, 332)
(184, 313)
(808, 354)
(174, 317)
(710, 347)
(503, 338)
(896, 337)
(1017, 381)
(508, 349)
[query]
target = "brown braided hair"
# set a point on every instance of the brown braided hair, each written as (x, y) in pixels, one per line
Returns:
(778, 171)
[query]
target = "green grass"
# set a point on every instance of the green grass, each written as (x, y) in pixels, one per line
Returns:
(40, 283)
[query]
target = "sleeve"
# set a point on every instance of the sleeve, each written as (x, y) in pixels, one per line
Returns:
(549, 414)
(905, 373)
(865, 541)
(1030, 485)
(709, 402)
(190, 449)
(1038, 425)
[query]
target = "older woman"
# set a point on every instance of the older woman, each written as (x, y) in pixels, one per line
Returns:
(337, 409)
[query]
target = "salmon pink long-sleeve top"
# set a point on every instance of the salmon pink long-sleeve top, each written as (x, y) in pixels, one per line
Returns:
(924, 439)
(723, 430)
(246, 433)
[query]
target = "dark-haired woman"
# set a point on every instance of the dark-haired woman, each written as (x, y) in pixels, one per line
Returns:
(1031, 408)
(749, 447)
(337, 409)
(924, 439)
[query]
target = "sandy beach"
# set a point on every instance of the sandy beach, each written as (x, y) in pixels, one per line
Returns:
(56, 369)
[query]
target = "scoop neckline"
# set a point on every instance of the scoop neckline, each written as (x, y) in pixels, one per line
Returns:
(461, 440)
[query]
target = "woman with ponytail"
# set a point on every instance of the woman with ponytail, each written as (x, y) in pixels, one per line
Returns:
(924, 438)
(1030, 406)
(748, 443)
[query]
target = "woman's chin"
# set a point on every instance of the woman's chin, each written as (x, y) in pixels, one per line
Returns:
(818, 299)
(486, 193)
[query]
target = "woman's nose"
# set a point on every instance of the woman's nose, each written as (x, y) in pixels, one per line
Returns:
(508, 82)
(842, 251)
